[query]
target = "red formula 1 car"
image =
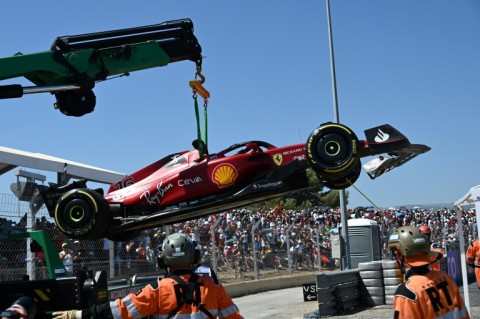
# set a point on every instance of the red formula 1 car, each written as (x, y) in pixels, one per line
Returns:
(188, 184)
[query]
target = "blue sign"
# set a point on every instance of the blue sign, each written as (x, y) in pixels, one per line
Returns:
(455, 268)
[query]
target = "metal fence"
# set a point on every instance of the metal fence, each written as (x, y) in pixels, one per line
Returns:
(251, 251)
(238, 244)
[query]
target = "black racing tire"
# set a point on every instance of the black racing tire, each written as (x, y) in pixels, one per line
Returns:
(370, 265)
(390, 264)
(370, 274)
(332, 150)
(390, 290)
(389, 300)
(392, 273)
(345, 181)
(393, 281)
(82, 213)
(373, 300)
(373, 282)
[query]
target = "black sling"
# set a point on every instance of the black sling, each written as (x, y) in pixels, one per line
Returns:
(188, 293)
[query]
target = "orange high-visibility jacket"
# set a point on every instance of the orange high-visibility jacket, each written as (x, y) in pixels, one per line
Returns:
(427, 295)
(435, 262)
(161, 301)
(473, 258)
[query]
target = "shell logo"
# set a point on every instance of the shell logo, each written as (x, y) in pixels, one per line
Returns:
(224, 175)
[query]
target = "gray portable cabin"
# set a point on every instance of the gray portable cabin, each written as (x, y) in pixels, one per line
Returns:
(364, 239)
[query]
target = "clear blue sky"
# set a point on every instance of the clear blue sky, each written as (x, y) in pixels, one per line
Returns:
(412, 64)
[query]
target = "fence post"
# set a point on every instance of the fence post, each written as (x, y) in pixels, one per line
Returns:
(214, 246)
(289, 254)
(30, 256)
(111, 258)
(319, 251)
(254, 249)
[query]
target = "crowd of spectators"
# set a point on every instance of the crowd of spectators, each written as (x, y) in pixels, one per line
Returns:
(278, 231)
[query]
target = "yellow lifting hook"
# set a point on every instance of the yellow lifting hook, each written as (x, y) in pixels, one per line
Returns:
(197, 86)
(199, 89)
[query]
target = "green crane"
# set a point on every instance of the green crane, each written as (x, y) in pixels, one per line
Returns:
(74, 64)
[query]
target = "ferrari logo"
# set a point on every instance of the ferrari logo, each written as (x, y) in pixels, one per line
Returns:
(278, 158)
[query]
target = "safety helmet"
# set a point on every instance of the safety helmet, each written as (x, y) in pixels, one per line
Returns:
(426, 230)
(178, 249)
(412, 244)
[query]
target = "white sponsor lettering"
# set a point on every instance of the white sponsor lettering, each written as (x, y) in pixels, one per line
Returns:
(189, 181)
(300, 158)
(293, 151)
(268, 185)
(156, 198)
(130, 192)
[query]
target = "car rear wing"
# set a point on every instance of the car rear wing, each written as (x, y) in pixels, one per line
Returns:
(383, 164)
(395, 147)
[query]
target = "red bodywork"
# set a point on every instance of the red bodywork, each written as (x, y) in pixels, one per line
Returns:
(178, 179)
(191, 184)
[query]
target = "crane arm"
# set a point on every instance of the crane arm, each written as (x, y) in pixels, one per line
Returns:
(74, 63)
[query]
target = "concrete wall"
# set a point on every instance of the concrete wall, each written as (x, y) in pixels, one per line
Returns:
(255, 286)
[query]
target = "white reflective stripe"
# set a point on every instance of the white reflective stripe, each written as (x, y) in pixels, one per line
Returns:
(115, 310)
(128, 302)
(455, 314)
(194, 315)
(228, 311)
(130, 308)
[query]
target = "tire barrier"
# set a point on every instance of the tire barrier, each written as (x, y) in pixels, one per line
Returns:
(338, 291)
(341, 290)
(372, 290)
(392, 277)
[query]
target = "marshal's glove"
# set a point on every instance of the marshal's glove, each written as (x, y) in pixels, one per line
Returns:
(67, 314)
(15, 310)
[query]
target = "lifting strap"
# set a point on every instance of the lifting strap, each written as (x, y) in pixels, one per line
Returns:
(201, 142)
(188, 293)
(197, 87)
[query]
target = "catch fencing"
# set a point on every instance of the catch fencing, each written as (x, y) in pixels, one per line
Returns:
(232, 260)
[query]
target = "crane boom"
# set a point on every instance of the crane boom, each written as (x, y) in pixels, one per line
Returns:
(74, 64)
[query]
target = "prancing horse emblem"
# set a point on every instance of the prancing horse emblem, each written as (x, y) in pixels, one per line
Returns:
(278, 158)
